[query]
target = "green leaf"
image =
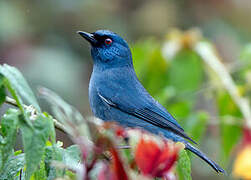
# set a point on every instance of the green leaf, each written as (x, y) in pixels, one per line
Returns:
(9, 124)
(2, 95)
(69, 116)
(12, 167)
(230, 119)
(34, 140)
(186, 73)
(71, 175)
(196, 125)
(16, 97)
(184, 166)
(19, 84)
(2, 90)
(180, 110)
(41, 172)
(70, 157)
(150, 66)
(51, 153)
(141, 52)
(51, 127)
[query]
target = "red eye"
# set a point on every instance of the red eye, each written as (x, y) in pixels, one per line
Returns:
(108, 41)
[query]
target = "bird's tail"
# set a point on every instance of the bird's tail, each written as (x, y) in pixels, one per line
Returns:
(196, 151)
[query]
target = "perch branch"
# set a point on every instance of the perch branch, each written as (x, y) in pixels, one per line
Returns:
(57, 124)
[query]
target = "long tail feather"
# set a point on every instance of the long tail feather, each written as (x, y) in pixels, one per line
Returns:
(196, 151)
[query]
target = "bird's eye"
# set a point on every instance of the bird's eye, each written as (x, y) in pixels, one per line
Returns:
(108, 41)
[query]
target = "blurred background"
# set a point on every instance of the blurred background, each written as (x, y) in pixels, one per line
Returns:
(39, 38)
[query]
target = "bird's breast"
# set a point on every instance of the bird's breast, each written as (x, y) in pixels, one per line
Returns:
(98, 107)
(111, 83)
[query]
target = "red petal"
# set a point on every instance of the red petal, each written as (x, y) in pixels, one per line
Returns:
(118, 171)
(246, 136)
(166, 160)
(120, 132)
(152, 160)
(146, 154)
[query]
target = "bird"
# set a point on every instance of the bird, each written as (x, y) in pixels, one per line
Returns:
(116, 94)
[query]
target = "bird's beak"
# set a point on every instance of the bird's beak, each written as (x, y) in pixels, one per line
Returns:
(88, 36)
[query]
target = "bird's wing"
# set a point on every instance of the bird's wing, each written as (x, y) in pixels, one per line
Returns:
(152, 115)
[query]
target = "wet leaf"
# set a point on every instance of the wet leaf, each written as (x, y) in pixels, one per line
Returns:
(2, 90)
(19, 84)
(9, 124)
(184, 166)
(12, 167)
(34, 142)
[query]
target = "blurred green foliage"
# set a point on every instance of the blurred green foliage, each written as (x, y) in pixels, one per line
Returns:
(39, 38)
(183, 83)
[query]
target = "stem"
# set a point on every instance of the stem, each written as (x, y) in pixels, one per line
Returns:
(57, 124)
(209, 55)
(124, 147)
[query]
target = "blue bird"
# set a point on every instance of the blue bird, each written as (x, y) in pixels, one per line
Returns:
(115, 93)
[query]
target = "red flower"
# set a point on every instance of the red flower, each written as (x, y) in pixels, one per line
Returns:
(115, 171)
(120, 132)
(153, 160)
(246, 140)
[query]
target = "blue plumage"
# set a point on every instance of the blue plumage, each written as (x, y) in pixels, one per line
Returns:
(115, 93)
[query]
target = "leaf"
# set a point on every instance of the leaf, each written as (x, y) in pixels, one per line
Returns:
(150, 65)
(19, 84)
(12, 167)
(196, 125)
(34, 142)
(9, 124)
(229, 125)
(70, 157)
(41, 172)
(69, 116)
(180, 110)
(186, 72)
(184, 166)
(2, 90)
(51, 127)
(51, 153)
(141, 52)
(2, 95)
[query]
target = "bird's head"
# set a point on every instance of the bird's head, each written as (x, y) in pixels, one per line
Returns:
(108, 48)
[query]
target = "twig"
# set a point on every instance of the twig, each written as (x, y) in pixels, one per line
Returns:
(57, 124)
(124, 147)
(11, 101)
(209, 55)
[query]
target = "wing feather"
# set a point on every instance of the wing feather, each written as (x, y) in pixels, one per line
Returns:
(149, 115)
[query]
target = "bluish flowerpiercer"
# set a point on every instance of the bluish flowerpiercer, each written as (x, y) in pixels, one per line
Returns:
(115, 93)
